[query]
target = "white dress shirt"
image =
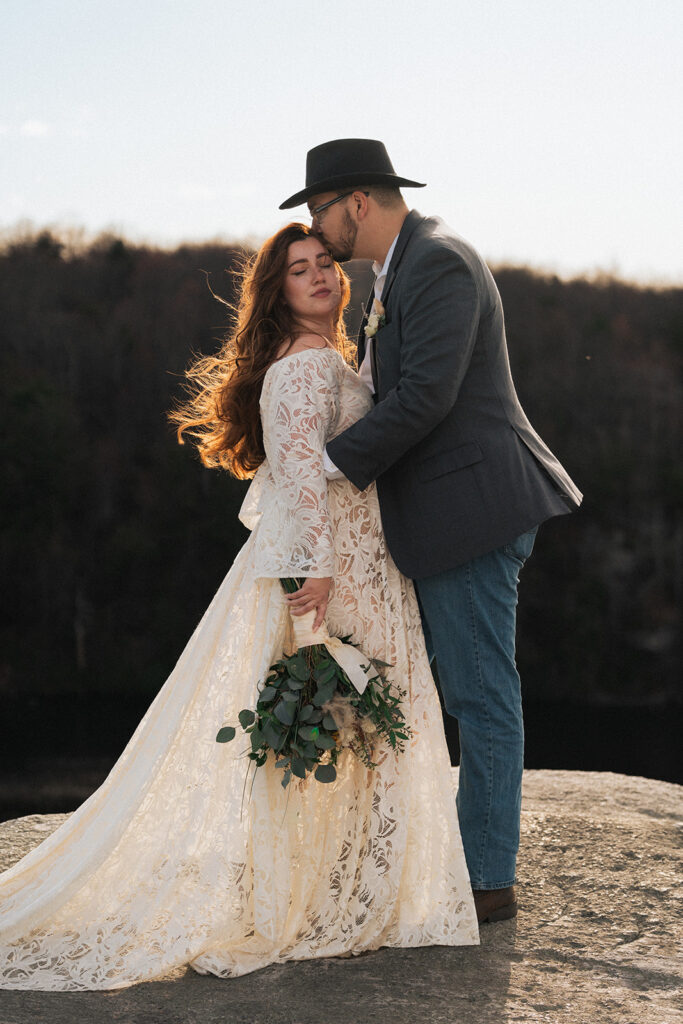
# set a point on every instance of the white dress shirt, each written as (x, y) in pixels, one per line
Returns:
(365, 368)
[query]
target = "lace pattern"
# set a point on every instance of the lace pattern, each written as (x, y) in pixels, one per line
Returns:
(288, 506)
(169, 863)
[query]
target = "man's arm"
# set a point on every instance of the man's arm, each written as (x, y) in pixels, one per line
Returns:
(440, 316)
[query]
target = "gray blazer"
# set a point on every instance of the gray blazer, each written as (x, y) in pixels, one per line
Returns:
(459, 468)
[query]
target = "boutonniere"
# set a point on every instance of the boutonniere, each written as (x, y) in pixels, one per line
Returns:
(376, 320)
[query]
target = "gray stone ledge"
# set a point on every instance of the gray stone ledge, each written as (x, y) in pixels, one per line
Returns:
(598, 939)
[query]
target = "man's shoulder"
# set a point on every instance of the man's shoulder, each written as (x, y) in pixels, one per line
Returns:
(433, 252)
(435, 247)
(433, 235)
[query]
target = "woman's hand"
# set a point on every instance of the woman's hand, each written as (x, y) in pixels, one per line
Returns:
(314, 594)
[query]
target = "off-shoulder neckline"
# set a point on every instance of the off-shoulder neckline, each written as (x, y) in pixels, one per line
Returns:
(305, 352)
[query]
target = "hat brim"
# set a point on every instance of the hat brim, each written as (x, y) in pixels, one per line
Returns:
(343, 180)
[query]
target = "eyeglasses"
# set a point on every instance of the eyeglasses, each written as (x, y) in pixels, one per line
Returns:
(315, 213)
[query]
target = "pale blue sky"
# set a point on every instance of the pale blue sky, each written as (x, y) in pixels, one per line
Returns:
(548, 132)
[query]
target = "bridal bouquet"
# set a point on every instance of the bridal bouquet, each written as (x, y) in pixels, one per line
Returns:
(326, 697)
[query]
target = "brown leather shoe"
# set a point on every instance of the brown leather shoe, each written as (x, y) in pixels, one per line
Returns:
(495, 904)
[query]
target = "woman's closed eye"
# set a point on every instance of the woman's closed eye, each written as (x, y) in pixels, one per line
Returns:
(320, 266)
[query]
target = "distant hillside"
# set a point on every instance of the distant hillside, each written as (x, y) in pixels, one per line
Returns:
(114, 538)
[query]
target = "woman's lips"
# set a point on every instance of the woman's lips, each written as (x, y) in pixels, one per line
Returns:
(321, 293)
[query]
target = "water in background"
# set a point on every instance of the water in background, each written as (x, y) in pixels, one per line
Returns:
(57, 753)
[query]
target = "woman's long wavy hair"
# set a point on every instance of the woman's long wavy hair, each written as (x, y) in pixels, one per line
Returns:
(222, 413)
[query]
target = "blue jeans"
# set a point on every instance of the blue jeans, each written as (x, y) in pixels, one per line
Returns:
(469, 617)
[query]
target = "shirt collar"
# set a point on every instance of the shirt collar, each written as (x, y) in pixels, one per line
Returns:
(382, 271)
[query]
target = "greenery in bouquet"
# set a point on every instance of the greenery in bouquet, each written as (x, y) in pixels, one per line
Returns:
(308, 711)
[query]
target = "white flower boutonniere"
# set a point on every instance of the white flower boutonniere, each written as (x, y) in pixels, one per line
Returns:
(376, 320)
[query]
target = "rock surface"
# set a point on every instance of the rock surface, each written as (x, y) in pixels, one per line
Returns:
(597, 939)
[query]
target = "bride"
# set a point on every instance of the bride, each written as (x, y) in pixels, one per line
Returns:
(169, 863)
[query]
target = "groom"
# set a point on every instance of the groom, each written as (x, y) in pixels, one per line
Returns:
(462, 477)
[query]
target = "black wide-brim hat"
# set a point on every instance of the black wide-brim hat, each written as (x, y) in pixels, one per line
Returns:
(343, 162)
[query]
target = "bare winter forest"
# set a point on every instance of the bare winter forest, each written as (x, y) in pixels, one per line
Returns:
(114, 538)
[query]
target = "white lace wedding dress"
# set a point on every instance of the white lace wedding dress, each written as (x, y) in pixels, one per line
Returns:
(170, 861)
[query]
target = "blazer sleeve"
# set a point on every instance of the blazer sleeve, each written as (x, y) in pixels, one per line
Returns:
(439, 307)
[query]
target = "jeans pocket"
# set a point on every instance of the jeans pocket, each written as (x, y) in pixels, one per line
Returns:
(521, 547)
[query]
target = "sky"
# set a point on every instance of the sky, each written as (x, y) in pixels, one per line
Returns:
(548, 132)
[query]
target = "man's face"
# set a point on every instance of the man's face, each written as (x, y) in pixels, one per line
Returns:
(334, 225)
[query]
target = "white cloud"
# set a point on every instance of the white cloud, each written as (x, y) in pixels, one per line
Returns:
(34, 129)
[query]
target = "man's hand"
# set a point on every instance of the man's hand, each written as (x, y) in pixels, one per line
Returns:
(314, 594)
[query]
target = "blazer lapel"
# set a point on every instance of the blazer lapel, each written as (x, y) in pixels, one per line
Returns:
(409, 225)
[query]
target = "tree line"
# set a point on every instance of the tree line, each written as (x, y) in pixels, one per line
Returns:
(114, 538)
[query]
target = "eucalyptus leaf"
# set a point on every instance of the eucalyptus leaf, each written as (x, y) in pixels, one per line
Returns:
(225, 734)
(285, 712)
(256, 738)
(329, 723)
(294, 684)
(291, 698)
(306, 712)
(325, 675)
(298, 668)
(326, 773)
(324, 742)
(246, 717)
(299, 767)
(286, 779)
(309, 732)
(280, 742)
(323, 695)
(266, 694)
(271, 735)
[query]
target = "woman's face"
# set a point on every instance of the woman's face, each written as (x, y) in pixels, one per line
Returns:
(311, 286)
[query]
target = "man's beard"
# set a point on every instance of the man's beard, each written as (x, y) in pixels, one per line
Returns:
(342, 248)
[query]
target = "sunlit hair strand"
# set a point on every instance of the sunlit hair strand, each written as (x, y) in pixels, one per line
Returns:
(222, 413)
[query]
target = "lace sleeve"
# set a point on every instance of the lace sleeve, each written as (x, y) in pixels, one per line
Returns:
(299, 408)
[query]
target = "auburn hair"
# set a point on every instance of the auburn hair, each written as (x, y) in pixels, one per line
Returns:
(222, 413)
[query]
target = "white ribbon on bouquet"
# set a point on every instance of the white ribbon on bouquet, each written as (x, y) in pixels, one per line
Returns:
(348, 657)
